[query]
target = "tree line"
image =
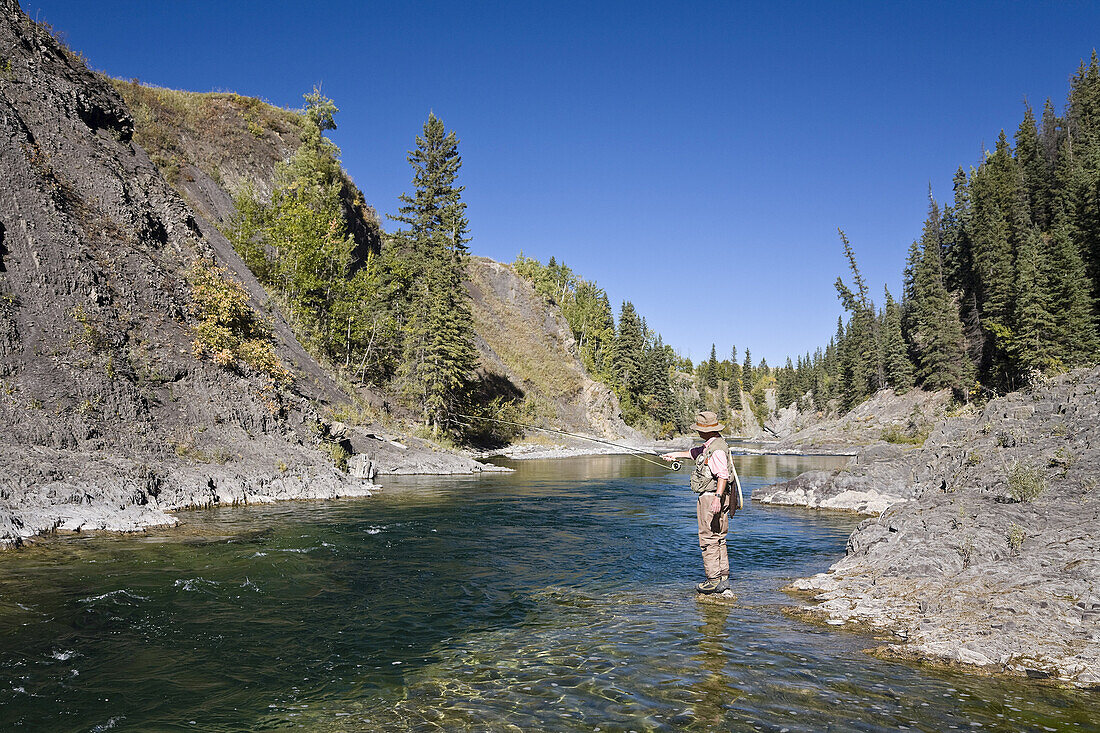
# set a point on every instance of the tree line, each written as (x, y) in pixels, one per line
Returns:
(658, 390)
(624, 354)
(1003, 283)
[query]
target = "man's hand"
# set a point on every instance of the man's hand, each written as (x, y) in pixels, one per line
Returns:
(669, 457)
(716, 505)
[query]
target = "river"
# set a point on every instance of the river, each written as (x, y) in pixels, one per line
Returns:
(557, 597)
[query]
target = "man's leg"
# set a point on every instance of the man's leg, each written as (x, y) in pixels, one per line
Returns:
(709, 545)
(723, 530)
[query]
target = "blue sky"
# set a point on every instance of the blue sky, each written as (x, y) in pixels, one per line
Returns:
(694, 158)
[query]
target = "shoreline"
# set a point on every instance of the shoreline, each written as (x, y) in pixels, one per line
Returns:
(980, 553)
(533, 451)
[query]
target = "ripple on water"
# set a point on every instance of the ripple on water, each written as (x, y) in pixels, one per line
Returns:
(193, 585)
(120, 596)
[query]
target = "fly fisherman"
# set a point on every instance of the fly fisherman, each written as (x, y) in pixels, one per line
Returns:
(711, 481)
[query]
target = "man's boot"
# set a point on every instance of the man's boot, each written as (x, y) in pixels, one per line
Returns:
(711, 585)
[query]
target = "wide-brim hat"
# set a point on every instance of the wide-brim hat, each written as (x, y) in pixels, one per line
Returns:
(707, 422)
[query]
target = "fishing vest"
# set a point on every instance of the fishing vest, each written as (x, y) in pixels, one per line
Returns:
(702, 480)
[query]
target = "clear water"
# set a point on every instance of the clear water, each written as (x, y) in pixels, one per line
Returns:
(554, 598)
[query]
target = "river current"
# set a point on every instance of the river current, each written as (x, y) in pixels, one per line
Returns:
(557, 597)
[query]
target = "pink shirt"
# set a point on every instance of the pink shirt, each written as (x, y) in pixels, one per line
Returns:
(717, 463)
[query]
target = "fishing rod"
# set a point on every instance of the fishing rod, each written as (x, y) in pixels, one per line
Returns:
(638, 452)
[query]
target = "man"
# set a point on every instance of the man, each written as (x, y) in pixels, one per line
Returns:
(711, 481)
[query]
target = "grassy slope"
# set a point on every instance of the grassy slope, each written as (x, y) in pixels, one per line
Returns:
(527, 339)
(221, 133)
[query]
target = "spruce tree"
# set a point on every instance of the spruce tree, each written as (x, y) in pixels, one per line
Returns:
(712, 368)
(1051, 133)
(858, 353)
(1034, 170)
(439, 355)
(787, 392)
(628, 347)
(1031, 341)
(1077, 342)
(997, 225)
(1081, 168)
(748, 377)
(958, 268)
(937, 335)
(664, 401)
(899, 369)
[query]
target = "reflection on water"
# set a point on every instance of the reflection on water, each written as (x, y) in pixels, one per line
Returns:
(556, 597)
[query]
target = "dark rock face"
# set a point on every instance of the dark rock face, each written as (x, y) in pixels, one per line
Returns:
(993, 560)
(96, 363)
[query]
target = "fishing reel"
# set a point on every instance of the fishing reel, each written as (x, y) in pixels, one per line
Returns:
(675, 465)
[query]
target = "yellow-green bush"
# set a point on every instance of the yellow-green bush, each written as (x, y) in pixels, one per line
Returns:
(894, 434)
(227, 329)
(1025, 482)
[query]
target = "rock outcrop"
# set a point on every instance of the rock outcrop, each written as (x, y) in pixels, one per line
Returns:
(993, 561)
(107, 417)
(879, 473)
(885, 414)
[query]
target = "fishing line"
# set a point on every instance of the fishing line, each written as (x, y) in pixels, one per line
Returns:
(638, 452)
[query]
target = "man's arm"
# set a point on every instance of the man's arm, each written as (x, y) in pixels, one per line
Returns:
(716, 505)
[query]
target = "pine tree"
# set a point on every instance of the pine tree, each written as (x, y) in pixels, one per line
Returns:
(899, 369)
(937, 335)
(439, 355)
(628, 347)
(712, 368)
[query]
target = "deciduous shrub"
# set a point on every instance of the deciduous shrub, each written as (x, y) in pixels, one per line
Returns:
(1015, 538)
(1025, 482)
(228, 330)
(895, 434)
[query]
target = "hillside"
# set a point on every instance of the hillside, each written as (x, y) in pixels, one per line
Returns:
(143, 368)
(210, 145)
(525, 339)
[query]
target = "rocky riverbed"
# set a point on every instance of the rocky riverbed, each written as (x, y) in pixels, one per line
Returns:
(983, 550)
